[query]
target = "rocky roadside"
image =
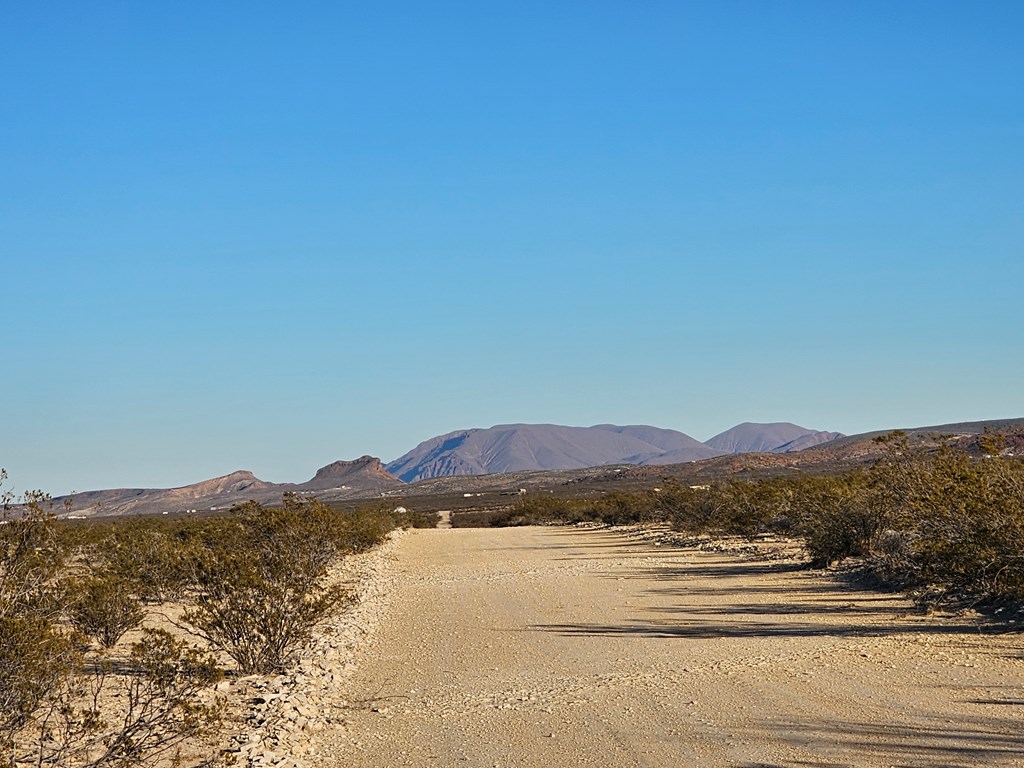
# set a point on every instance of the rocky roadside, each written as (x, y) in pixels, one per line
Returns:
(760, 547)
(274, 718)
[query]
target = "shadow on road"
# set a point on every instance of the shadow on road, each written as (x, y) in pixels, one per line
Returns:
(707, 630)
(969, 742)
(719, 595)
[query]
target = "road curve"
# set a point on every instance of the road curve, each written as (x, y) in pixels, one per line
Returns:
(566, 647)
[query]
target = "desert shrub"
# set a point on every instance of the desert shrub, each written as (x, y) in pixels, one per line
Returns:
(260, 590)
(624, 508)
(840, 532)
(966, 530)
(737, 507)
(32, 553)
(103, 608)
(50, 712)
(35, 657)
(162, 706)
(153, 558)
(259, 622)
(717, 507)
(35, 661)
(364, 529)
(158, 706)
(742, 508)
(475, 518)
(690, 509)
(50, 686)
(764, 506)
(893, 560)
(410, 518)
(836, 518)
(297, 541)
(538, 509)
(307, 532)
(925, 517)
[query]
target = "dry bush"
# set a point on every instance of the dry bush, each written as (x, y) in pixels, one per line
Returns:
(364, 529)
(536, 509)
(103, 608)
(260, 585)
(161, 706)
(410, 518)
(964, 524)
(621, 508)
(32, 553)
(152, 557)
(157, 706)
(474, 518)
(35, 661)
(259, 622)
(836, 519)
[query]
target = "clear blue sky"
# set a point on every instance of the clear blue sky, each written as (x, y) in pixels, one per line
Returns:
(272, 235)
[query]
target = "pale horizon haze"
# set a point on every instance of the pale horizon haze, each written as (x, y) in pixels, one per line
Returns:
(264, 236)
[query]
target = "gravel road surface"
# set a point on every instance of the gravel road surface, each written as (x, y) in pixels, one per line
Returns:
(569, 647)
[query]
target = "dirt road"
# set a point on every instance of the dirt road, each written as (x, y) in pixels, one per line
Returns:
(566, 647)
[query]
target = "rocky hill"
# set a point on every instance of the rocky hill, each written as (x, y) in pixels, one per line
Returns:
(778, 437)
(361, 478)
(365, 473)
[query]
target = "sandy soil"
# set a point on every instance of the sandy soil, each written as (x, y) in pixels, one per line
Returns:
(568, 647)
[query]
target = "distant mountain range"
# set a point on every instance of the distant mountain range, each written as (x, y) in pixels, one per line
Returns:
(546, 456)
(343, 479)
(500, 449)
(530, 447)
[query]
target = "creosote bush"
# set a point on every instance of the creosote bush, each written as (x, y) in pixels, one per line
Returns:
(162, 705)
(960, 519)
(152, 556)
(32, 555)
(104, 609)
(36, 659)
(261, 587)
(158, 704)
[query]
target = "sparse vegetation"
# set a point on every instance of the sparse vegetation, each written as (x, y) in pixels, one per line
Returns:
(153, 556)
(161, 698)
(255, 582)
(104, 609)
(259, 586)
(35, 661)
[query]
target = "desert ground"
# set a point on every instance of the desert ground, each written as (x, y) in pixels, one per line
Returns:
(558, 647)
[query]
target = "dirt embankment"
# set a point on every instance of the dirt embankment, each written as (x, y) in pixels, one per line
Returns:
(566, 647)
